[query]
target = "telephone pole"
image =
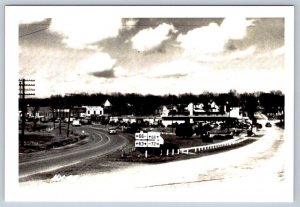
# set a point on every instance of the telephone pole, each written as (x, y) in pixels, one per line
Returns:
(24, 90)
(70, 106)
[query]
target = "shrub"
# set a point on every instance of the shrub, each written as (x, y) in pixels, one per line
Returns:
(184, 130)
(249, 133)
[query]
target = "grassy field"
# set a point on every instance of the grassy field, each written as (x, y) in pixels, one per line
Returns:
(45, 139)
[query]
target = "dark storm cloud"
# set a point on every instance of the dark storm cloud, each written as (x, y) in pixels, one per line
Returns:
(104, 74)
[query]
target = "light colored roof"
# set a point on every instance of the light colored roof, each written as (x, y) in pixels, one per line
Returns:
(107, 103)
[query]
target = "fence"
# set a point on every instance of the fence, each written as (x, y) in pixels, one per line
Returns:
(127, 150)
(191, 150)
(210, 147)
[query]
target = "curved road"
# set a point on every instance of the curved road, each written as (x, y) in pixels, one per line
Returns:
(99, 144)
(260, 171)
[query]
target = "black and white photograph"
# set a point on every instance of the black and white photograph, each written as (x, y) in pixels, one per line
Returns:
(149, 103)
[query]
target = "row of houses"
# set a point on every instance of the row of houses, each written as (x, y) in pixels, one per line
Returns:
(197, 109)
(48, 113)
(167, 114)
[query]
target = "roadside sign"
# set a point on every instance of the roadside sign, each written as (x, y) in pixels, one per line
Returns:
(141, 143)
(141, 136)
(152, 136)
(153, 144)
(150, 139)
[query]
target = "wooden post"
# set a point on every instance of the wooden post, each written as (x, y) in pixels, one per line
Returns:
(68, 128)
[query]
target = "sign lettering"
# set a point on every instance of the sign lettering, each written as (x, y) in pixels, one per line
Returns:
(150, 139)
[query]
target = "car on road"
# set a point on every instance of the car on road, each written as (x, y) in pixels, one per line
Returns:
(85, 121)
(76, 123)
(71, 119)
(112, 131)
(268, 124)
(57, 120)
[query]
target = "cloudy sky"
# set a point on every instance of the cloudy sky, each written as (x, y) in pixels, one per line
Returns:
(87, 53)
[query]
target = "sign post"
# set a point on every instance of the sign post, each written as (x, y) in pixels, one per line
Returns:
(150, 139)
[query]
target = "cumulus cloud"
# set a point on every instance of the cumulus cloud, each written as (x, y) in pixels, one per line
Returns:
(207, 39)
(235, 28)
(79, 31)
(148, 39)
(212, 39)
(95, 64)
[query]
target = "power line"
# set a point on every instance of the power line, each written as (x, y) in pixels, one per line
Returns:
(33, 32)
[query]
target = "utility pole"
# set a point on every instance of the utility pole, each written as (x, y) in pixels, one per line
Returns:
(68, 129)
(23, 83)
(172, 113)
(228, 120)
(70, 109)
(59, 114)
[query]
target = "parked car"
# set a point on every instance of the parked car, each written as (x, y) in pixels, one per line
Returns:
(112, 131)
(43, 119)
(71, 119)
(258, 125)
(57, 120)
(268, 124)
(205, 136)
(76, 123)
(85, 121)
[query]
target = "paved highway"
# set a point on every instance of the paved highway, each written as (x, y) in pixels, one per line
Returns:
(260, 171)
(99, 144)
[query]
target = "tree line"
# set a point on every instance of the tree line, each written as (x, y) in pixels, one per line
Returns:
(138, 104)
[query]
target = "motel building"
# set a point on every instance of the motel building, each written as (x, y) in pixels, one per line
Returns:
(197, 113)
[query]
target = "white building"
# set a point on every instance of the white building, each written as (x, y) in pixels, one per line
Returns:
(214, 107)
(172, 122)
(94, 110)
(234, 112)
(167, 109)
